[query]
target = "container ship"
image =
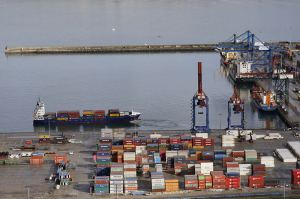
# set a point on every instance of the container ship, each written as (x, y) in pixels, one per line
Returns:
(98, 117)
(264, 100)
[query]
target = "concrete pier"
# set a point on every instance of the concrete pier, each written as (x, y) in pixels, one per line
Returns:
(111, 49)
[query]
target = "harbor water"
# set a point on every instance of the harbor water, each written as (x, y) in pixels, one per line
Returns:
(158, 85)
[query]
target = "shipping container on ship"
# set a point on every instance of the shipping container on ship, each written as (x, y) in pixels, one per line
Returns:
(114, 116)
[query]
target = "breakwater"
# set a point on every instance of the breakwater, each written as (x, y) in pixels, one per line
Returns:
(110, 49)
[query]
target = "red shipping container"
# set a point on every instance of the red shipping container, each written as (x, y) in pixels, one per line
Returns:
(28, 142)
(258, 167)
(233, 182)
(227, 159)
(232, 165)
(295, 176)
(219, 186)
(128, 140)
(217, 173)
(163, 141)
(238, 154)
(175, 140)
(208, 179)
(256, 181)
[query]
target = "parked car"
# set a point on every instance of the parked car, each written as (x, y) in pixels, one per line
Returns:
(14, 156)
(26, 154)
(296, 134)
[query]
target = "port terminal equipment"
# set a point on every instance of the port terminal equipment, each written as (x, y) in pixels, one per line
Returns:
(236, 105)
(200, 107)
(263, 57)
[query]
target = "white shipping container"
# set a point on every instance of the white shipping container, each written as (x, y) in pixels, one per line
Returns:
(129, 174)
(116, 188)
(245, 166)
(228, 144)
(129, 166)
(140, 149)
(228, 137)
(155, 135)
(160, 180)
(285, 155)
(116, 177)
(184, 153)
(130, 181)
(202, 135)
(245, 169)
(170, 154)
(197, 169)
(116, 182)
(250, 154)
(207, 167)
(268, 161)
(115, 192)
(129, 156)
(130, 185)
(233, 170)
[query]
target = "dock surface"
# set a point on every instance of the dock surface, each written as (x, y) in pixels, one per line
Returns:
(34, 176)
(110, 49)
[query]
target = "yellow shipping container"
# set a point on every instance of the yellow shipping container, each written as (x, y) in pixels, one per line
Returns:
(114, 115)
(231, 56)
(171, 181)
(198, 147)
(44, 136)
(88, 112)
(62, 119)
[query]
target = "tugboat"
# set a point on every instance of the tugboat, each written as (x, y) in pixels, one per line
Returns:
(88, 117)
(264, 100)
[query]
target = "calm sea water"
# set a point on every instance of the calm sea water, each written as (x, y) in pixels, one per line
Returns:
(158, 85)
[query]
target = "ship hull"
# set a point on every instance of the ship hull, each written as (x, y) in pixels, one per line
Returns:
(264, 108)
(84, 121)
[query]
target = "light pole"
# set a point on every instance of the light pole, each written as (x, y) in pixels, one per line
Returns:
(28, 192)
(220, 116)
(284, 189)
(49, 128)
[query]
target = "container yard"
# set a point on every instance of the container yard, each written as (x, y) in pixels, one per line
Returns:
(147, 164)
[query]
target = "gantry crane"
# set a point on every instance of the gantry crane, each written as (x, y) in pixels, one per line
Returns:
(254, 59)
(235, 104)
(200, 106)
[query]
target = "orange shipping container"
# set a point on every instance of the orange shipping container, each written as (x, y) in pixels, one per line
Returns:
(172, 185)
(36, 160)
(60, 158)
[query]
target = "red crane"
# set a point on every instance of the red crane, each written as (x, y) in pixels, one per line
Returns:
(200, 94)
(236, 102)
